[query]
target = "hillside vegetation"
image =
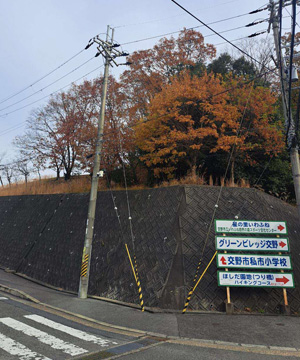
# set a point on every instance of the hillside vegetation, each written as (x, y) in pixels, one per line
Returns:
(177, 114)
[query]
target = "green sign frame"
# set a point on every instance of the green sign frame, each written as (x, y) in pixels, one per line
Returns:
(257, 286)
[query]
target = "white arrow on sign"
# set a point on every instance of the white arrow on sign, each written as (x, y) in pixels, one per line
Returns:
(247, 261)
(248, 279)
(252, 244)
(250, 227)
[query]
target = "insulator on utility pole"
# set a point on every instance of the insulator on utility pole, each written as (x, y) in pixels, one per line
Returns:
(294, 74)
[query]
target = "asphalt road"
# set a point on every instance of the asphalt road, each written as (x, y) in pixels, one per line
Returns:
(169, 351)
(60, 326)
(29, 333)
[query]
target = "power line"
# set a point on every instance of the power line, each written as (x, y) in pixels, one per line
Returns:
(218, 33)
(291, 15)
(18, 126)
(42, 78)
(135, 41)
(45, 87)
(151, 21)
(178, 31)
(291, 67)
(34, 102)
(62, 77)
(222, 92)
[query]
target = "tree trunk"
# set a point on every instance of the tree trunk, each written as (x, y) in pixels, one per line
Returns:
(194, 171)
(68, 175)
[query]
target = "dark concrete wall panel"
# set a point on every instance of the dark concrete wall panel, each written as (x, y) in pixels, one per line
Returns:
(247, 204)
(22, 219)
(42, 236)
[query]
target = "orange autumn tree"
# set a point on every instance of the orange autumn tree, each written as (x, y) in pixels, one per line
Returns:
(153, 68)
(260, 132)
(192, 117)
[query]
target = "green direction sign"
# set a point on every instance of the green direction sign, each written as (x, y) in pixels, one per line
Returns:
(250, 279)
(250, 227)
(251, 261)
(230, 243)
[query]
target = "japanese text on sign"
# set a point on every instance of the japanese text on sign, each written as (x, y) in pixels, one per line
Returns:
(251, 244)
(245, 226)
(254, 261)
(255, 279)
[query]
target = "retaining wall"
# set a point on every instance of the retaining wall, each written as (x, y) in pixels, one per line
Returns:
(42, 237)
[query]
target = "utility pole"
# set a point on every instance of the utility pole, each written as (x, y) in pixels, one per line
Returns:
(108, 50)
(289, 122)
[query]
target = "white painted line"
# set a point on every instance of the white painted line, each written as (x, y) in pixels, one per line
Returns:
(3, 298)
(14, 348)
(71, 331)
(43, 337)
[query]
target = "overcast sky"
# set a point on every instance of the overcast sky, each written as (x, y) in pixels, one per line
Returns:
(39, 35)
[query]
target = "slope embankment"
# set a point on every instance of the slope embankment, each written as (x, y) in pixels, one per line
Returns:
(42, 237)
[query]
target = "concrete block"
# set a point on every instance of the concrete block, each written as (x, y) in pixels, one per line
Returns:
(285, 309)
(229, 307)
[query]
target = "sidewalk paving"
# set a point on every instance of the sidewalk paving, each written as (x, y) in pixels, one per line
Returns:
(241, 329)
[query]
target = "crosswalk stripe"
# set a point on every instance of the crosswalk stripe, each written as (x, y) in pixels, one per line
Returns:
(14, 348)
(43, 337)
(3, 298)
(71, 331)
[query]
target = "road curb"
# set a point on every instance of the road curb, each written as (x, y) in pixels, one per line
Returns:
(18, 293)
(113, 301)
(141, 333)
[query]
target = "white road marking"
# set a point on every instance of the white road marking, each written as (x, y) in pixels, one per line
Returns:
(71, 331)
(43, 337)
(3, 298)
(17, 349)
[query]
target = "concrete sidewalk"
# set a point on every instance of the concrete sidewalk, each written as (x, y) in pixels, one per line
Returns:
(282, 331)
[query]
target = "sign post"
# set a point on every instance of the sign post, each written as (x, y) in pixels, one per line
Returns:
(228, 293)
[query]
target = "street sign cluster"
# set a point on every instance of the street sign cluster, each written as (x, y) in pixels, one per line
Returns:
(253, 261)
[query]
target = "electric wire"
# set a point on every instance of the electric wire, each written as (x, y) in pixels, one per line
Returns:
(291, 15)
(218, 33)
(280, 62)
(131, 227)
(40, 90)
(54, 92)
(216, 206)
(290, 72)
(178, 31)
(46, 87)
(42, 78)
(215, 22)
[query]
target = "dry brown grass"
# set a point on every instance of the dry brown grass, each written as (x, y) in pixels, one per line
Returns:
(82, 184)
(49, 186)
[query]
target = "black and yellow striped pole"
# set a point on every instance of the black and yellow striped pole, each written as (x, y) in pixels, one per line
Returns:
(195, 286)
(191, 290)
(139, 284)
(136, 276)
(84, 265)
